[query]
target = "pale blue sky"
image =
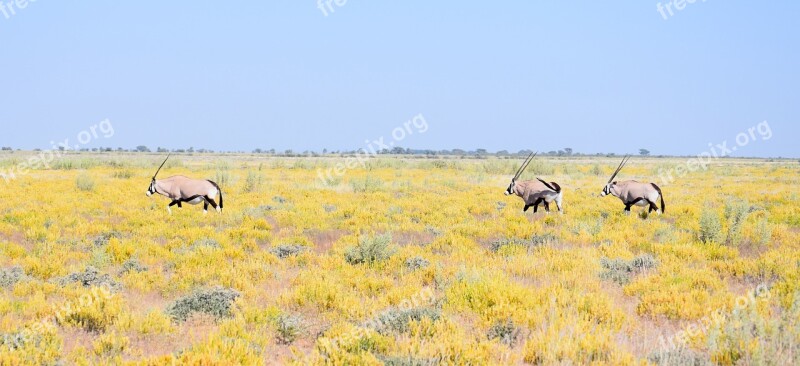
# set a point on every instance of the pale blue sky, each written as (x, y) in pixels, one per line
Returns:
(592, 75)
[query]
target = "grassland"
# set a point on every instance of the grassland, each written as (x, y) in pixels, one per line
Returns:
(404, 262)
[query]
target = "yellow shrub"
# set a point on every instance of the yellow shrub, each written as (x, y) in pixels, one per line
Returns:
(93, 309)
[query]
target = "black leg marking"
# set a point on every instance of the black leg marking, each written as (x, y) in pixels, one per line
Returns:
(211, 202)
(173, 203)
(536, 205)
(631, 203)
(526, 208)
(546, 206)
(652, 207)
(180, 205)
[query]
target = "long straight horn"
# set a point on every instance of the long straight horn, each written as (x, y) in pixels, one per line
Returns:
(525, 164)
(621, 165)
(162, 165)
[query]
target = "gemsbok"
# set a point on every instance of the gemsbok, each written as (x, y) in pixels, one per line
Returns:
(633, 193)
(535, 192)
(182, 189)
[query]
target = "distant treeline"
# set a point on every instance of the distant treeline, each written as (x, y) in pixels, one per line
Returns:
(324, 152)
(397, 151)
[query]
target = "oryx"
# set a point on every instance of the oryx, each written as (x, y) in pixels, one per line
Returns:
(535, 192)
(182, 189)
(632, 192)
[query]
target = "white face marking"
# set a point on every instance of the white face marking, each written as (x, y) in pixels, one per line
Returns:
(606, 190)
(510, 188)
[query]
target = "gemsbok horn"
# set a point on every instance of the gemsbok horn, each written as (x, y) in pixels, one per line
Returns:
(182, 189)
(633, 193)
(535, 192)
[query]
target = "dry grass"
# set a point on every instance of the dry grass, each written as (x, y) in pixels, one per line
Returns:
(541, 288)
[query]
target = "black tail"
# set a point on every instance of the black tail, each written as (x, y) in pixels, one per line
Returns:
(552, 185)
(660, 195)
(221, 206)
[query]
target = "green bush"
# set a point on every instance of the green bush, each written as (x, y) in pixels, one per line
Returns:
(771, 340)
(543, 239)
(416, 263)
(222, 177)
(643, 262)
(680, 356)
(410, 361)
(621, 271)
(284, 251)
(132, 265)
(534, 242)
(710, 227)
(17, 340)
(289, 328)
(366, 185)
(205, 243)
(398, 320)
(103, 239)
(84, 182)
(90, 277)
(764, 231)
(496, 245)
(9, 277)
(123, 174)
(507, 332)
(215, 302)
(736, 212)
(252, 182)
(370, 250)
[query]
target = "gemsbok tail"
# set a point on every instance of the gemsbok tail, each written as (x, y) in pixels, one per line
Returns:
(660, 195)
(552, 185)
(221, 206)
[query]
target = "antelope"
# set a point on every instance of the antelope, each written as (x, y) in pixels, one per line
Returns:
(182, 189)
(535, 192)
(632, 192)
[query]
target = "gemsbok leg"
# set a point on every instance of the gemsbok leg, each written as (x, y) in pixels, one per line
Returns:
(629, 204)
(173, 203)
(206, 201)
(652, 207)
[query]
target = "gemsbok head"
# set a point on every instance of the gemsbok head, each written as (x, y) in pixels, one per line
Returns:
(535, 192)
(633, 193)
(180, 189)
